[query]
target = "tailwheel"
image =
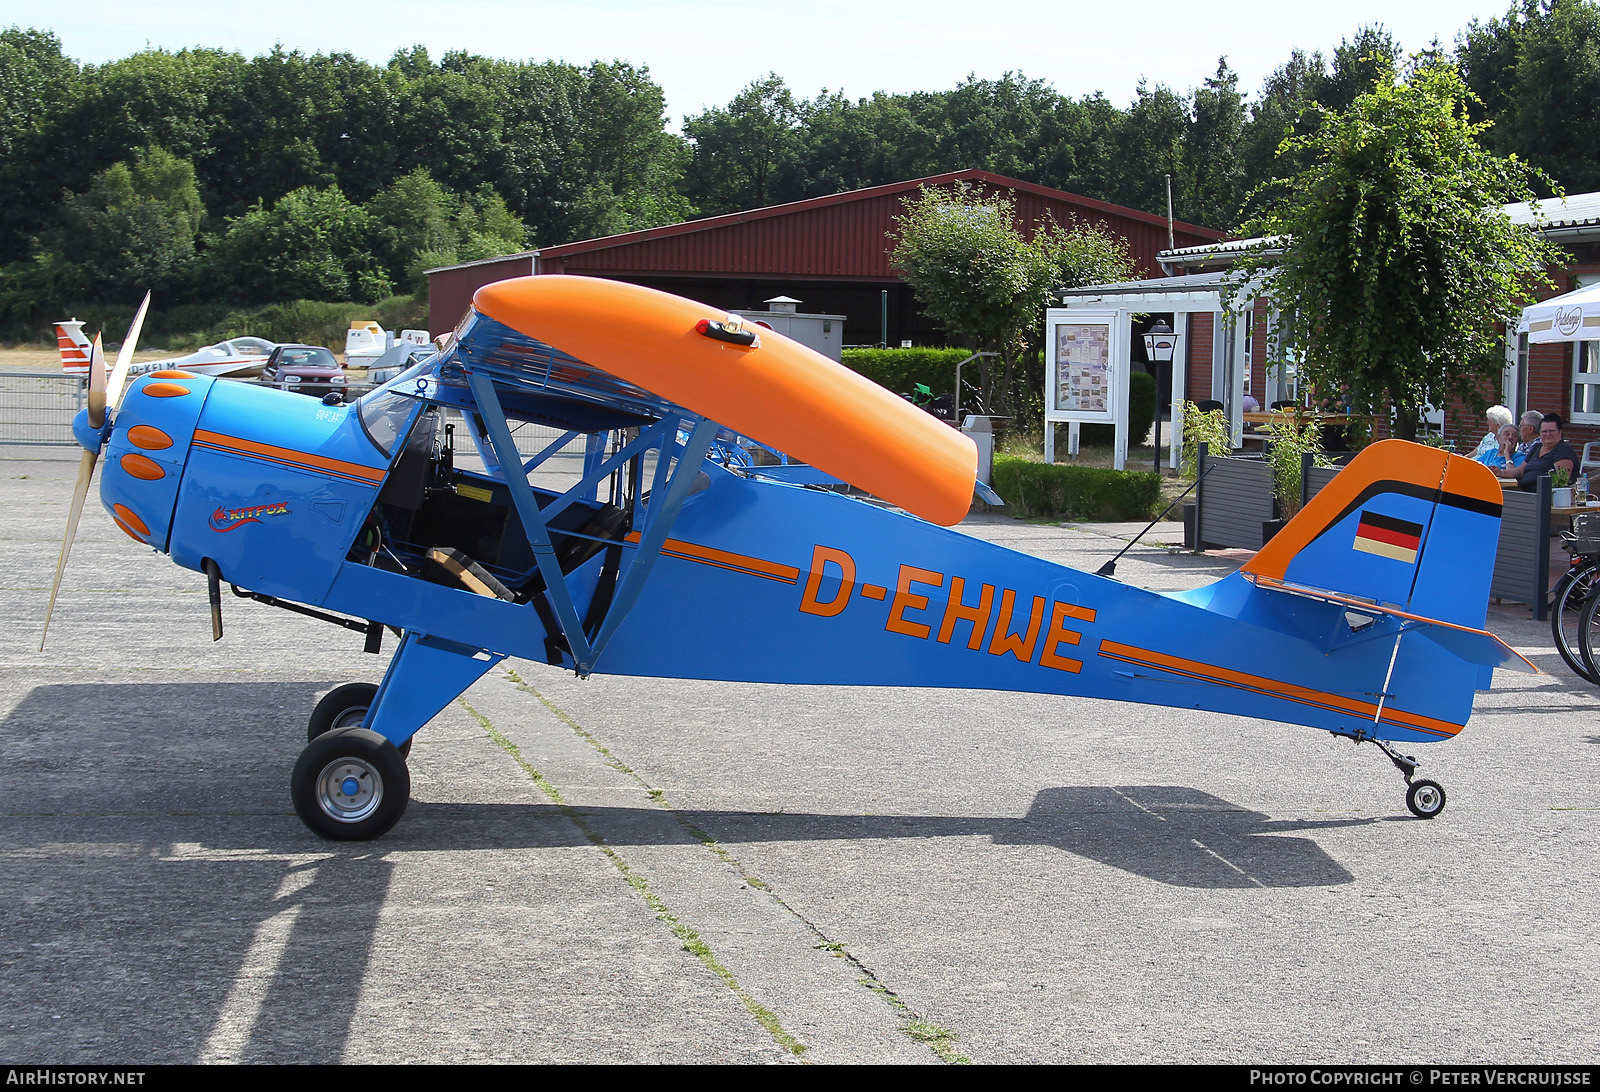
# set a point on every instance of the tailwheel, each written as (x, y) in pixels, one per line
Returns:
(350, 784)
(346, 707)
(1425, 799)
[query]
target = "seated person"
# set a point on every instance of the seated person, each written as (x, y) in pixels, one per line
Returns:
(1499, 417)
(1551, 453)
(1530, 431)
(1504, 454)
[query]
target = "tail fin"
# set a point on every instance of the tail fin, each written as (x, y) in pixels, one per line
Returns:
(74, 347)
(1406, 527)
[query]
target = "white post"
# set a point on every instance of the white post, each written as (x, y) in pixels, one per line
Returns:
(1180, 369)
(1122, 363)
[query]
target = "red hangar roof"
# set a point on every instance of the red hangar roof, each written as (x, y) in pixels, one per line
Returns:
(838, 237)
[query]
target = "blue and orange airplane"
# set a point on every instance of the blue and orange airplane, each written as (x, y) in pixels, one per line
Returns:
(1363, 617)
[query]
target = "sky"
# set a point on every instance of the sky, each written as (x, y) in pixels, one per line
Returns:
(702, 52)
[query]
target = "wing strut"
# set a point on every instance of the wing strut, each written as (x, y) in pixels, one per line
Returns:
(658, 521)
(544, 554)
(668, 493)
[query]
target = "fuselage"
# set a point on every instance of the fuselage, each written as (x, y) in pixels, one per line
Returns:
(759, 580)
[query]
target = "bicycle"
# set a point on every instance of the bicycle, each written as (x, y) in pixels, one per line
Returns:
(1572, 599)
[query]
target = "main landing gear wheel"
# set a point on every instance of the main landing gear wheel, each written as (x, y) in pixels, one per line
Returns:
(350, 785)
(1425, 799)
(346, 707)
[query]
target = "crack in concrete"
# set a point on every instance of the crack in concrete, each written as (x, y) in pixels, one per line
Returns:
(939, 1040)
(691, 940)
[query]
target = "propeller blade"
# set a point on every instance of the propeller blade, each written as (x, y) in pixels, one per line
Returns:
(97, 384)
(119, 375)
(79, 492)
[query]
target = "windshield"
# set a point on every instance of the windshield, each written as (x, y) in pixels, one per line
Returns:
(386, 415)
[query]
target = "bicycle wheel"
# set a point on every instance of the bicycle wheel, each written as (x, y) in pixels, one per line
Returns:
(1572, 593)
(1589, 636)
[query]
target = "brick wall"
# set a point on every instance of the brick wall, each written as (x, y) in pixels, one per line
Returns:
(1197, 373)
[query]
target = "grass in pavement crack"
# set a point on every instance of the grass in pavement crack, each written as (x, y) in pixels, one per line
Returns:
(691, 940)
(938, 1039)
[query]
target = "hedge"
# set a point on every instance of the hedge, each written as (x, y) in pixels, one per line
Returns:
(1141, 414)
(1075, 492)
(188, 326)
(902, 369)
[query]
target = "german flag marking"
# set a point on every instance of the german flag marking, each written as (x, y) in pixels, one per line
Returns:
(1388, 537)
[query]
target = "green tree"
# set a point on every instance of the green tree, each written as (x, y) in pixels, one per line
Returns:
(1538, 74)
(1359, 64)
(1399, 264)
(38, 84)
(312, 244)
(975, 273)
(1282, 111)
(133, 229)
(1149, 145)
(1211, 185)
(738, 150)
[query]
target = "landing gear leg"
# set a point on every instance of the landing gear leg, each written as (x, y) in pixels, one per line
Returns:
(1425, 798)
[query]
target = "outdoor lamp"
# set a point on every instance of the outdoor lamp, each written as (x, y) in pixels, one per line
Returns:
(1158, 343)
(1158, 351)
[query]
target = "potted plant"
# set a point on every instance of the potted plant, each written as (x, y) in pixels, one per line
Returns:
(1286, 453)
(1560, 488)
(1209, 428)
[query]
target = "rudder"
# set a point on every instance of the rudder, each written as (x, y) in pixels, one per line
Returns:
(1405, 526)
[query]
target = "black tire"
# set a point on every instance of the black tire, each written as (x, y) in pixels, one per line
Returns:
(1425, 799)
(345, 707)
(1588, 640)
(350, 785)
(1572, 593)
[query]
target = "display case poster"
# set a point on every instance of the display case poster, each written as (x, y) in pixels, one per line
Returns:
(1083, 368)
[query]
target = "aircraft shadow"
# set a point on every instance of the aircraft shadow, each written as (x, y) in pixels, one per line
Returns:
(157, 904)
(160, 902)
(1171, 834)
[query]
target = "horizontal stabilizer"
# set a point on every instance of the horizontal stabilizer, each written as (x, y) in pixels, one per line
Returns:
(1479, 647)
(987, 495)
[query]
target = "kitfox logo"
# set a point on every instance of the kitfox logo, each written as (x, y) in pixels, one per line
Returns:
(227, 519)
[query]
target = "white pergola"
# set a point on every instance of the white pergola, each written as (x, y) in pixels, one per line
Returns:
(1188, 299)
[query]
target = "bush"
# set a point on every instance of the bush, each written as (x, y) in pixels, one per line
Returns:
(1141, 414)
(1075, 492)
(900, 370)
(312, 322)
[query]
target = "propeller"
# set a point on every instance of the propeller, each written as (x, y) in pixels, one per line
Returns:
(101, 390)
(97, 417)
(116, 386)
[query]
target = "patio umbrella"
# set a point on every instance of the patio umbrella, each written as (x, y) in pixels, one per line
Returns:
(1572, 317)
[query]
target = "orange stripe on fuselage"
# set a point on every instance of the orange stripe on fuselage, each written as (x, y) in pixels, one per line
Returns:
(1276, 688)
(300, 460)
(754, 566)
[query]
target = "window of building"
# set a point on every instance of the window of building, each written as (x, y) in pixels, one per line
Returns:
(1585, 376)
(1586, 381)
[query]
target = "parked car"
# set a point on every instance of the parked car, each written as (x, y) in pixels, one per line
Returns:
(304, 369)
